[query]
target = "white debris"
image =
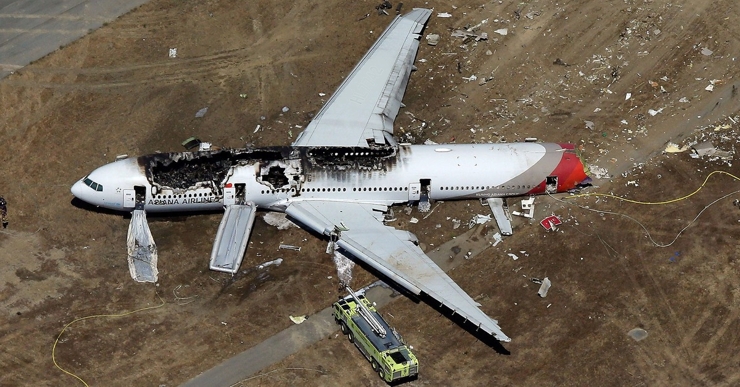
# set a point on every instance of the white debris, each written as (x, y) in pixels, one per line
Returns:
(413, 220)
(202, 112)
(674, 148)
(502, 31)
(624, 122)
(598, 172)
(590, 124)
(285, 109)
(444, 14)
(654, 112)
(497, 238)
(683, 100)
(275, 262)
(173, 52)
(709, 88)
(627, 96)
(279, 220)
(455, 224)
(257, 128)
(429, 142)
(297, 319)
(513, 256)
(479, 219)
(289, 247)
(706, 52)
(545, 287)
(322, 94)
(470, 78)
(432, 39)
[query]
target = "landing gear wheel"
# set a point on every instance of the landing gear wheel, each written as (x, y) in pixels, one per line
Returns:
(343, 327)
(351, 337)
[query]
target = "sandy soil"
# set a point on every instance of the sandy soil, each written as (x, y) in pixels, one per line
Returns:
(561, 73)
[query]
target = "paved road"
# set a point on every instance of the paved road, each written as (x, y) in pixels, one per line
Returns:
(30, 29)
(321, 325)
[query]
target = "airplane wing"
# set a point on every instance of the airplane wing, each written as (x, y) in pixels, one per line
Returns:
(390, 251)
(363, 108)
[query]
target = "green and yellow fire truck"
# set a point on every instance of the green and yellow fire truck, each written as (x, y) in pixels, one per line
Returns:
(380, 344)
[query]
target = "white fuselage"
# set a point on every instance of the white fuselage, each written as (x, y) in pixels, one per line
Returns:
(272, 178)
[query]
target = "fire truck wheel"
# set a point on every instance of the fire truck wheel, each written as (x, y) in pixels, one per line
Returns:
(375, 366)
(343, 327)
(351, 337)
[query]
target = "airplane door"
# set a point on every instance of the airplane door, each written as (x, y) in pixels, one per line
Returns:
(551, 184)
(229, 195)
(129, 198)
(414, 191)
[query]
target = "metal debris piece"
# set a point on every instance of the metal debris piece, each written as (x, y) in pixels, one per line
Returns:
(551, 222)
(653, 112)
(289, 247)
(191, 143)
(444, 14)
(704, 149)
(432, 39)
(502, 31)
(275, 262)
(479, 219)
(469, 35)
(545, 287)
(638, 334)
(497, 238)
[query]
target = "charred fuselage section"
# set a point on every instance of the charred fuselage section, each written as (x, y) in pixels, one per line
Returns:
(187, 170)
(348, 158)
(275, 168)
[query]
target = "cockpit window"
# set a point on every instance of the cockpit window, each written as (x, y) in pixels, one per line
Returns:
(92, 184)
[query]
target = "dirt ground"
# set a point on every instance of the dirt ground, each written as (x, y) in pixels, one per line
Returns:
(619, 78)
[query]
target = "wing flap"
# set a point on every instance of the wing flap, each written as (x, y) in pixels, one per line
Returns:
(391, 252)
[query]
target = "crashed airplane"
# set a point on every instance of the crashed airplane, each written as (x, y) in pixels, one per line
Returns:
(341, 176)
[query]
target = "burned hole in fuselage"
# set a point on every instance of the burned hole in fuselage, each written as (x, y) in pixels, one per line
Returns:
(276, 176)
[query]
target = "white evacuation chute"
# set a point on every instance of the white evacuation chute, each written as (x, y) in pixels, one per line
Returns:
(142, 251)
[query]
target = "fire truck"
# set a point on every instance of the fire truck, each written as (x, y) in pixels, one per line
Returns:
(371, 334)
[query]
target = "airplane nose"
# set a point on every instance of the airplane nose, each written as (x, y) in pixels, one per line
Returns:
(78, 190)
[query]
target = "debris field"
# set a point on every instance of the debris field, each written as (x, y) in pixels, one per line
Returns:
(640, 270)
